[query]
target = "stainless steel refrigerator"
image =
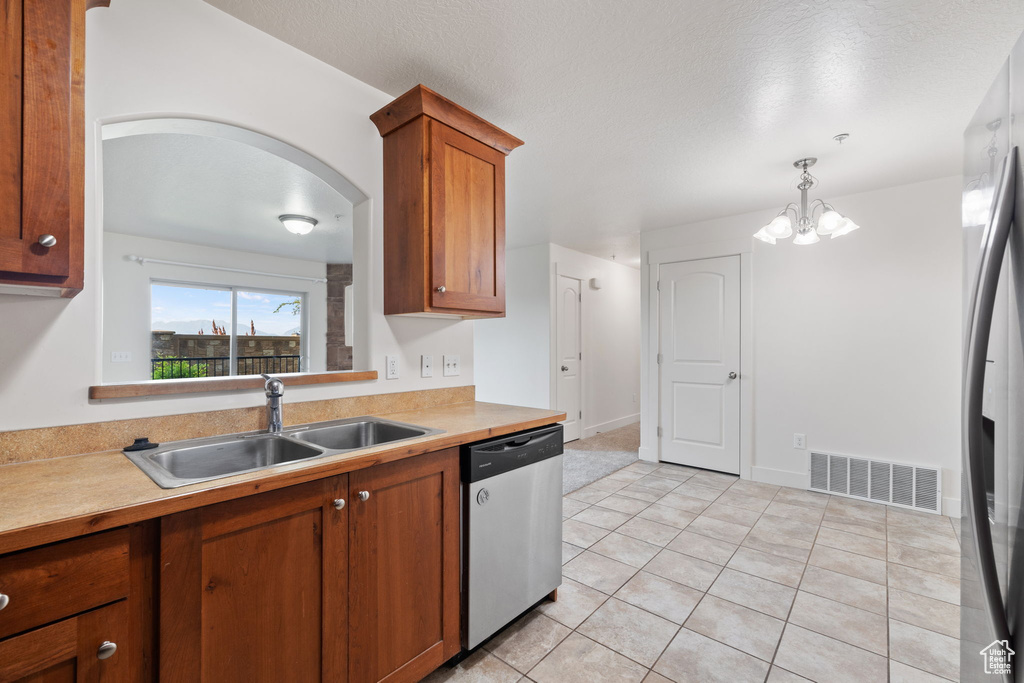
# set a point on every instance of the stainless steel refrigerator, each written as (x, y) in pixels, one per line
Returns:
(992, 530)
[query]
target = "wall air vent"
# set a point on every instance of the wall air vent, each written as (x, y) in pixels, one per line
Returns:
(908, 486)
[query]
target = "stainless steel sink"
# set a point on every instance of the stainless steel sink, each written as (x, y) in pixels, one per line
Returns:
(188, 462)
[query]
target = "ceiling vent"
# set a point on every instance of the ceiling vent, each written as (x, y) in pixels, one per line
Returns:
(908, 486)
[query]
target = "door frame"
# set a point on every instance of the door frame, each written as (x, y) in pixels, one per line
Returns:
(698, 252)
(558, 270)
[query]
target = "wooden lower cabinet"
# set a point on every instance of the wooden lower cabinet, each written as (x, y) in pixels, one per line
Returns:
(70, 650)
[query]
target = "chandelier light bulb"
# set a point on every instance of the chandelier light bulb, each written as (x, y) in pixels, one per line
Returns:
(808, 237)
(763, 235)
(829, 222)
(845, 228)
(780, 228)
(809, 219)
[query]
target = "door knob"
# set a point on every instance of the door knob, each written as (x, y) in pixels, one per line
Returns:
(733, 375)
(339, 503)
(364, 496)
(47, 240)
(442, 289)
(106, 650)
(565, 368)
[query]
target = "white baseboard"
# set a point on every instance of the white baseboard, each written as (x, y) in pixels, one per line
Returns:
(951, 507)
(610, 425)
(767, 475)
(648, 454)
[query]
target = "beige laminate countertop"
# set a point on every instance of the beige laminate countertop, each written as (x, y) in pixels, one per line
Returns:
(43, 501)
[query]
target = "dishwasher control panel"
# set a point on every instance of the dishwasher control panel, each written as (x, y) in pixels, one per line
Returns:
(496, 456)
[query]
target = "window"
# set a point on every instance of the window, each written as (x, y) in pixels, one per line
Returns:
(210, 331)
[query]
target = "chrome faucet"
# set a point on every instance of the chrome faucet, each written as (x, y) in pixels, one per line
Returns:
(275, 392)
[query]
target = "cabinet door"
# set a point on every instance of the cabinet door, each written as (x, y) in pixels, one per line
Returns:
(255, 589)
(404, 568)
(467, 222)
(69, 651)
(42, 61)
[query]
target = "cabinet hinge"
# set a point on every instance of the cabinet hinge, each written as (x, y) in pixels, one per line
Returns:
(658, 285)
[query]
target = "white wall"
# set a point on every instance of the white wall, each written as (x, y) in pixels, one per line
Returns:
(127, 313)
(149, 58)
(515, 355)
(856, 340)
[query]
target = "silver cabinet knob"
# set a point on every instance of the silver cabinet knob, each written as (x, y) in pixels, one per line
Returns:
(442, 289)
(106, 650)
(47, 240)
(733, 375)
(364, 496)
(565, 368)
(339, 503)
(4, 600)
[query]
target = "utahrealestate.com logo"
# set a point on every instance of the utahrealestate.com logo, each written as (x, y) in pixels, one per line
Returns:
(998, 658)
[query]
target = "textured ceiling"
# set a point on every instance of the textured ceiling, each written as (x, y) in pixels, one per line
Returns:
(220, 193)
(639, 116)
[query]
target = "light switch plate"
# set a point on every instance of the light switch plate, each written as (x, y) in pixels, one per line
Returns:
(800, 441)
(391, 367)
(451, 366)
(120, 356)
(426, 366)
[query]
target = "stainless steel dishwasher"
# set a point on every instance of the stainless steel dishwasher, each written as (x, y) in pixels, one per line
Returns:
(511, 528)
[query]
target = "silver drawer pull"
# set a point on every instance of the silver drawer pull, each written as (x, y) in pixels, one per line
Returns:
(4, 600)
(339, 503)
(442, 289)
(364, 496)
(48, 241)
(106, 650)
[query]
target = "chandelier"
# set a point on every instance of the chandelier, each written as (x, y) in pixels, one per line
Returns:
(808, 220)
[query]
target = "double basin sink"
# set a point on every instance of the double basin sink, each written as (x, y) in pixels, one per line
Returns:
(188, 462)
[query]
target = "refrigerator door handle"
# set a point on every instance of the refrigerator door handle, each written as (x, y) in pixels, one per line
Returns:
(979, 324)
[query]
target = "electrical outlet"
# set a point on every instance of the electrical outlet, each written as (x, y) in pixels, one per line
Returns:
(451, 366)
(800, 441)
(426, 366)
(120, 356)
(391, 367)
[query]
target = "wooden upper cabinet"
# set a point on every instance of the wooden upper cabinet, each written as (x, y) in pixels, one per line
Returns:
(42, 145)
(444, 208)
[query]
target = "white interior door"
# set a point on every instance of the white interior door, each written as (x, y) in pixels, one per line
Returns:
(699, 328)
(568, 353)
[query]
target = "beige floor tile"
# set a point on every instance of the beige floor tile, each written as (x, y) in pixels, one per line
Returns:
(579, 659)
(798, 513)
(688, 488)
(702, 547)
(846, 589)
(666, 515)
(924, 583)
(693, 658)
(656, 678)
(569, 551)
(853, 526)
(913, 519)
(842, 540)
(661, 596)
(825, 659)
(742, 500)
(834, 619)
(597, 571)
(787, 527)
(602, 517)
(754, 489)
(901, 673)
(570, 507)
(527, 641)
(581, 534)
(683, 569)
(575, 603)
(925, 650)
(630, 506)
(643, 466)
(729, 513)
(777, 675)
(759, 594)
(859, 566)
(856, 509)
(925, 540)
(646, 530)
(479, 667)
(745, 629)
(947, 565)
(729, 532)
(608, 484)
(804, 498)
(770, 567)
(653, 481)
(630, 631)
(714, 480)
(641, 493)
(681, 502)
(777, 544)
(679, 473)
(626, 476)
(928, 613)
(588, 495)
(628, 550)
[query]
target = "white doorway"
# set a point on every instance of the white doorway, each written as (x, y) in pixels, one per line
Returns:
(568, 355)
(699, 363)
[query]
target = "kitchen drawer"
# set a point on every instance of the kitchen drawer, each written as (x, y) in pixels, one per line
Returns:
(46, 584)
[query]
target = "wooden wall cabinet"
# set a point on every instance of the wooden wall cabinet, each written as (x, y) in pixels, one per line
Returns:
(42, 145)
(444, 208)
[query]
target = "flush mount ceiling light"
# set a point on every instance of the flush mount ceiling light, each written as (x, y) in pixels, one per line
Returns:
(300, 225)
(810, 220)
